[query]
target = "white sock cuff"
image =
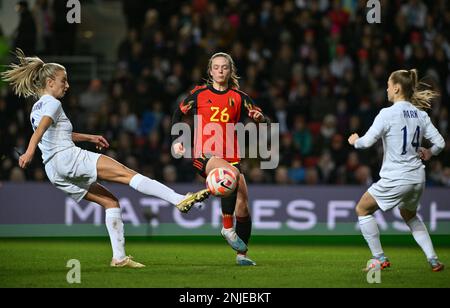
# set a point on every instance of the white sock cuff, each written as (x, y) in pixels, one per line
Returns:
(136, 180)
(416, 224)
(365, 219)
(113, 213)
(413, 221)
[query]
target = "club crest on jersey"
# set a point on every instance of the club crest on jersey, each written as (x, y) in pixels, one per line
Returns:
(231, 102)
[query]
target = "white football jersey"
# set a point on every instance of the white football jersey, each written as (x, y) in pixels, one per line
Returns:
(58, 136)
(402, 127)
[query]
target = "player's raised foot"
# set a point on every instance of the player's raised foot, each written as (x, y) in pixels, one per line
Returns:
(243, 260)
(127, 262)
(233, 240)
(436, 266)
(192, 198)
(377, 264)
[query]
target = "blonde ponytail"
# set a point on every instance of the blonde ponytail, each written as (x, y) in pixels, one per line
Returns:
(29, 76)
(421, 98)
(417, 92)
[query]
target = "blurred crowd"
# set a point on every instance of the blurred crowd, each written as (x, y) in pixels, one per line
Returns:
(317, 68)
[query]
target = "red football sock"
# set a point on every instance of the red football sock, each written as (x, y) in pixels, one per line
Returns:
(227, 221)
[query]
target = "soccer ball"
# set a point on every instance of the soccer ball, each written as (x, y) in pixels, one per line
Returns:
(221, 182)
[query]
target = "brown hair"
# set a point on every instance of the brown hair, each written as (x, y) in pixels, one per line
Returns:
(408, 80)
(234, 79)
(29, 77)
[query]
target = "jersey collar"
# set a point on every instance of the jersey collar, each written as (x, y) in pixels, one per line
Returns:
(211, 88)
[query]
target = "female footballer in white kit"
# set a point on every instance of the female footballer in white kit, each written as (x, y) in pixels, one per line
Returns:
(71, 169)
(401, 127)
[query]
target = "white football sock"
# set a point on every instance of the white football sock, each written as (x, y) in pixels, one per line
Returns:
(369, 230)
(114, 225)
(154, 188)
(422, 237)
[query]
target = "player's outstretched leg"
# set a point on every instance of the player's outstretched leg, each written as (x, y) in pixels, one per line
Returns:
(110, 170)
(192, 198)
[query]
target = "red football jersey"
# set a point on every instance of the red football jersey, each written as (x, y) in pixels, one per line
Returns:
(216, 113)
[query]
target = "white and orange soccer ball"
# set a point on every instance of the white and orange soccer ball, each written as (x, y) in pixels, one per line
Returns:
(221, 182)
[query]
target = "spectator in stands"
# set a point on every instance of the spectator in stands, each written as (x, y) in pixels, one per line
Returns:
(93, 97)
(26, 32)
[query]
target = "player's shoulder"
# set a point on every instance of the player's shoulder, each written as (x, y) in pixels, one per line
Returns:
(48, 99)
(45, 102)
(198, 89)
(387, 115)
(423, 116)
(386, 111)
(242, 93)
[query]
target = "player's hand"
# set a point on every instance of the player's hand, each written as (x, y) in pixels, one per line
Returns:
(256, 115)
(100, 142)
(25, 159)
(352, 139)
(179, 149)
(424, 154)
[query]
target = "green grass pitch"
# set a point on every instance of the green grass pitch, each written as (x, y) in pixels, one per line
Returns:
(207, 262)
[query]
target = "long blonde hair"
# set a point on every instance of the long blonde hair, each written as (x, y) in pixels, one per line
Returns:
(29, 76)
(408, 80)
(234, 78)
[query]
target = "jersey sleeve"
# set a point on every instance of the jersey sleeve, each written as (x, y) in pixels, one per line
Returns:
(433, 135)
(374, 133)
(248, 106)
(52, 108)
(186, 107)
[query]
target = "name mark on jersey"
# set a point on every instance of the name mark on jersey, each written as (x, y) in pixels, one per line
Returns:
(37, 106)
(410, 114)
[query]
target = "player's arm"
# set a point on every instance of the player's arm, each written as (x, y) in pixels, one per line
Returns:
(184, 108)
(100, 141)
(253, 111)
(27, 157)
(436, 139)
(373, 134)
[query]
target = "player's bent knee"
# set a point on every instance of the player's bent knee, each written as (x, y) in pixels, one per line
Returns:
(242, 210)
(361, 211)
(407, 215)
(110, 203)
(358, 211)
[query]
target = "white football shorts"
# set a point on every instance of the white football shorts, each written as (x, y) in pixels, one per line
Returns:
(73, 171)
(404, 196)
